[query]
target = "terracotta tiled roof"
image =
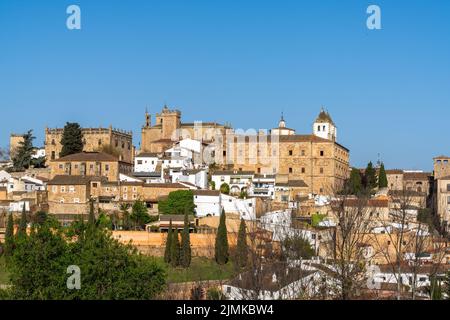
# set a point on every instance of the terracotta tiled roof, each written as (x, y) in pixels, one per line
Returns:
(165, 185)
(147, 155)
(293, 183)
(74, 180)
(416, 175)
(206, 193)
(394, 171)
(232, 173)
(88, 156)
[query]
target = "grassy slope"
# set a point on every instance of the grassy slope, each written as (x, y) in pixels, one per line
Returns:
(201, 269)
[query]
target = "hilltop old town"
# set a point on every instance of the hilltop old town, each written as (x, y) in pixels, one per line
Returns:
(218, 213)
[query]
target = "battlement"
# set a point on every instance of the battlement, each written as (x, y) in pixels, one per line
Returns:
(166, 111)
(99, 130)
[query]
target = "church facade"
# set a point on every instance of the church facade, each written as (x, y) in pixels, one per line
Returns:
(168, 128)
(317, 158)
(94, 139)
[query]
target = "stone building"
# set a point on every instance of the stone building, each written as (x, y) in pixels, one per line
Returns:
(14, 143)
(441, 167)
(442, 189)
(418, 181)
(93, 164)
(95, 139)
(317, 159)
(168, 128)
(69, 195)
(395, 179)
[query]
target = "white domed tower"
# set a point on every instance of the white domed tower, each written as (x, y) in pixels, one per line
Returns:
(324, 126)
(282, 130)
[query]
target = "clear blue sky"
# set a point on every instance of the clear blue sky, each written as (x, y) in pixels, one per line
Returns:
(239, 61)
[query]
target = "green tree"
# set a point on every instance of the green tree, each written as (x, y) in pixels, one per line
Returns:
(91, 217)
(38, 162)
(212, 184)
(297, 247)
(370, 177)
(23, 155)
(382, 178)
(175, 249)
(38, 266)
(126, 224)
(40, 217)
(435, 289)
(9, 236)
(185, 255)
(225, 188)
(109, 270)
(447, 285)
(221, 245)
(72, 139)
(139, 214)
(178, 202)
(104, 221)
(355, 183)
(23, 222)
(167, 251)
(242, 247)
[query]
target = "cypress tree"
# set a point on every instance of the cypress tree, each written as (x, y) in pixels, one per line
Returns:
(91, 218)
(23, 222)
(9, 236)
(22, 157)
(242, 247)
(175, 250)
(185, 258)
(370, 177)
(447, 284)
(167, 253)
(72, 139)
(221, 248)
(355, 183)
(382, 178)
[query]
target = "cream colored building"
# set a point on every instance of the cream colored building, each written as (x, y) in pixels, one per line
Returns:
(14, 143)
(317, 159)
(94, 139)
(94, 164)
(442, 189)
(168, 129)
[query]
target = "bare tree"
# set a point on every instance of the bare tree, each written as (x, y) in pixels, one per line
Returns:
(404, 240)
(349, 255)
